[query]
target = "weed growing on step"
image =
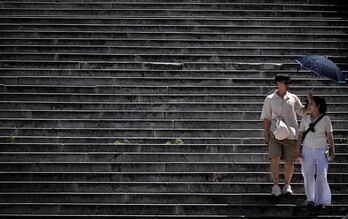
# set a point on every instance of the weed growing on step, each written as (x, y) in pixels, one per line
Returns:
(343, 140)
(121, 141)
(11, 138)
(176, 141)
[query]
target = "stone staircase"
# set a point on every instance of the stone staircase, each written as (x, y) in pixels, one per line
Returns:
(147, 108)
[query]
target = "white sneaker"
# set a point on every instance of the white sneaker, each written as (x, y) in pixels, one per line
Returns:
(287, 190)
(276, 190)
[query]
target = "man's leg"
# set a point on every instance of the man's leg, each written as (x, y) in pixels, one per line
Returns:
(275, 152)
(275, 170)
(289, 159)
(288, 171)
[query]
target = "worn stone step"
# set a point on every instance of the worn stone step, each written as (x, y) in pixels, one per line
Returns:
(171, 50)
(174, 83)
(126, 210)
(140, 66)
(134, 156)
(173, 42)
(134, 114)
(152, 187)
(131, 147)
(174, 35)
(176, 28)
(138, 157)
(254, 177)
(171, 12)
(158, 81)
(141, 132)
(164, 5)
(155, 198)
(14, 86)
(143, 123)
(156, 57)
(6, 137)
(221, 74)
(154, 106)
(339, 2)
(150, 98)
(244, 166)
(211, 210)
(175, 20)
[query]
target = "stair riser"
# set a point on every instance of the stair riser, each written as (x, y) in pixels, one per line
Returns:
(219, 115)
(172, 35)
(152, 198)
(153, 167)
(171, 12)
(159, 177)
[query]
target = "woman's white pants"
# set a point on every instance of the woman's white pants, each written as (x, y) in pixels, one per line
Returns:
(317, 189)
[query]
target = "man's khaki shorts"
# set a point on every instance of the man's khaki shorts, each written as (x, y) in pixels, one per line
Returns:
(285, 149)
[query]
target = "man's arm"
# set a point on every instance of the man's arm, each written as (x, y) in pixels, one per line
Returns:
(266, 127)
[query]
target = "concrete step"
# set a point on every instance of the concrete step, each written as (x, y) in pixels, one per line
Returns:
(134, 156)
(120, 114)
(155, 198)
(14, 86)
(190, 187)
(147, 98)
(169, 210)
(244, 166)
(168, 11)
(134, 140)
(171, 50)
(221, 74)
(174, 35)
(175, 83)
(171, 5)
(155, 106)
(142, 132)
(176, 28)
(268, 21)
(143, 123)
(342, 2)
(82, 57)
(219, 67)
(254, 177)
(139, 157)
(173, 42)
(131, 147)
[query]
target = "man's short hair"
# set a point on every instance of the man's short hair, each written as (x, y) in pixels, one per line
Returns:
(282, 77)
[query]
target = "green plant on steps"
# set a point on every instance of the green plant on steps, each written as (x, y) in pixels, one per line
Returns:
(11, 138)
(343, 140)
(121, 141)
(176, 141)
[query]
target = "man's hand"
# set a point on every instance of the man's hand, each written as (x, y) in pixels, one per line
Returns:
(267, 138)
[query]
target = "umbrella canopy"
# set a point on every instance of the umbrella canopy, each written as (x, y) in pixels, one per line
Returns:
(322, 67)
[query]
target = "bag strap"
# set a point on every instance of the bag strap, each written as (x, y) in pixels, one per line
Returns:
(311, 126)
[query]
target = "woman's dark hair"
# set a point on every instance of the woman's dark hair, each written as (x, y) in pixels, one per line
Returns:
(321, 102)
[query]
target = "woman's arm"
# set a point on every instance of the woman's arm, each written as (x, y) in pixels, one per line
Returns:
(331, 141)
(299, 143)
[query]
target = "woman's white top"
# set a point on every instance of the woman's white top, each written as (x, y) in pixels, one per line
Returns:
(318, 138)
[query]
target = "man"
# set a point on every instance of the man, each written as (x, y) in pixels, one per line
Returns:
(282, 105)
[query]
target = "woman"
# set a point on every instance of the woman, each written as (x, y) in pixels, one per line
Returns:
(313, 153)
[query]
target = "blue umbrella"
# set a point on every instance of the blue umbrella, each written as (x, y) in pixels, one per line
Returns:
(322, 67)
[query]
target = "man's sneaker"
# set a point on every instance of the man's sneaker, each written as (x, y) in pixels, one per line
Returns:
(287, 190)
(276, 191)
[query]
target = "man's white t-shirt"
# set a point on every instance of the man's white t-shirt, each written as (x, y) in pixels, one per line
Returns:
(284, 107)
